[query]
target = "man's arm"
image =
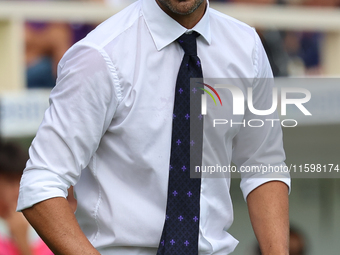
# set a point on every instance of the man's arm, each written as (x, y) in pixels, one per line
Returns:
(269, 215)
(56, 224)
(82, 106)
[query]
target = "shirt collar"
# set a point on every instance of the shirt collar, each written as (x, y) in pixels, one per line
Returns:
(164, 30)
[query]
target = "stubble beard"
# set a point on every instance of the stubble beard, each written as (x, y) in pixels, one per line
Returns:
(186, 10)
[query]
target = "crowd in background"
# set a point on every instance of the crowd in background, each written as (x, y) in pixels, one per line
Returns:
(290, 53)
(293, 53)
(17, 237)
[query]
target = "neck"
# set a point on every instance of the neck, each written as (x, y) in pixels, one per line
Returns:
(188, 21)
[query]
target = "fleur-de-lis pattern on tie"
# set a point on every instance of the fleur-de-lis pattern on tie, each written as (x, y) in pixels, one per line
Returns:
(181, 227)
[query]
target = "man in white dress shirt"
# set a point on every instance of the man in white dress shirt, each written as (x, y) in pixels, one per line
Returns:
(108, 132)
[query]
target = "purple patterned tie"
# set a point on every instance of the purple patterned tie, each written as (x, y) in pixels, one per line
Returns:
(181, 228)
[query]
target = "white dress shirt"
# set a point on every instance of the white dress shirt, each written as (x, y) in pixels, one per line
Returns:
(108, 129)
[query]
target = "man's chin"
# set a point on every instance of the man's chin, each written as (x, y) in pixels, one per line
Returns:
(181, 7)
(185, 8)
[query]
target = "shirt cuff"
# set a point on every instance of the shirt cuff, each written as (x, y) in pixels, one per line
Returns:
(38, 185)
(248, 184)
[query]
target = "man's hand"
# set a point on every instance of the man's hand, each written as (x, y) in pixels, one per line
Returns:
(269, 215)
(56, 224)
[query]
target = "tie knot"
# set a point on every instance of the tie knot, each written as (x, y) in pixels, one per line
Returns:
(188, 43)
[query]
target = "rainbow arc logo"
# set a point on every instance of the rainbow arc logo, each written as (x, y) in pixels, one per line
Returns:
(204, 97)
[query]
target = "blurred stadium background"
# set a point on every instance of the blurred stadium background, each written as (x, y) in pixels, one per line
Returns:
(301, 37)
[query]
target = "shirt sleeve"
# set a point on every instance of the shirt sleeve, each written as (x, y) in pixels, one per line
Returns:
(82, 106)
(258, 151)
